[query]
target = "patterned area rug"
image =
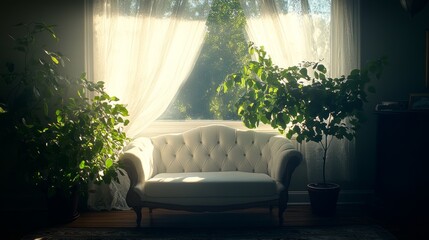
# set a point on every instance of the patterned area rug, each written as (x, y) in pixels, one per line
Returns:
(355, 232)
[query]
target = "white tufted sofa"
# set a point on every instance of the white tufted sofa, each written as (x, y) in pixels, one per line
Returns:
(210, 168)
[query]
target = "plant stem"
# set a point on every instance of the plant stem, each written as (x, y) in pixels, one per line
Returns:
(325, 146)
(325, 150)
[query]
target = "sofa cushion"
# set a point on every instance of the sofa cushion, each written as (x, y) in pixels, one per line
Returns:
(210, 184)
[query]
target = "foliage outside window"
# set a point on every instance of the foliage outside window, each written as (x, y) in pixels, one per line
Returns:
(223, 51)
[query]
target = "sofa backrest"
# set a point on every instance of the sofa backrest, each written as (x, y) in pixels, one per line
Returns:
(215, 148)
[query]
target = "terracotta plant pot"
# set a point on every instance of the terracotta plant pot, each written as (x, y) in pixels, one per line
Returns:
(323, 198)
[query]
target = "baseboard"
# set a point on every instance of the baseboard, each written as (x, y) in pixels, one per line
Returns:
(345, 197)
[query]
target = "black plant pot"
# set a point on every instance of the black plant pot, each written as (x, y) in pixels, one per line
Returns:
(63, 208)
(323, 198)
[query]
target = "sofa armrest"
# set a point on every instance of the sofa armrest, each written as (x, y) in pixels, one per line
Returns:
(137, 161)
(285, 159)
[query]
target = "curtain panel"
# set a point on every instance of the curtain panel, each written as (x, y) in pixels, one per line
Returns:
(144, 50)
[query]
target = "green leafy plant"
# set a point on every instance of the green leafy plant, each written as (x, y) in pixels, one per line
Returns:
(35, 85)
(302, 101)
(32, 86)
(69, 130)
(84, 142)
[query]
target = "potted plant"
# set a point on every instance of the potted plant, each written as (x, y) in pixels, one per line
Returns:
(71, 129)
(32, 85)
(303, 102)
(81, 145)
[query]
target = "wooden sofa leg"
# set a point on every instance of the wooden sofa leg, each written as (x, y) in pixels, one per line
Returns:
(282, 209)
(284, 198)
(138, 211)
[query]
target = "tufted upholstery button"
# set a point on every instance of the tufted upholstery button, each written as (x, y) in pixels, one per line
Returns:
(253, 142)
(226, 155)
(208, 154)
(244, 154)
(218, 142)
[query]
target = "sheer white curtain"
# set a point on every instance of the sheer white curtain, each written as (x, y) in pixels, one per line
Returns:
(143, 50)
(289, 30)
(310, 30)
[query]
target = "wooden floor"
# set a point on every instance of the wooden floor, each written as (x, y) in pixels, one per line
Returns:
(299, 215)
(296, 215)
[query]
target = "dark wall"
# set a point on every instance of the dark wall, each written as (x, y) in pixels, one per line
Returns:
(388, 30)
(68, 15)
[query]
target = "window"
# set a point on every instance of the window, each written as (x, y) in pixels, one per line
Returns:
(225, 49)
(137, 44)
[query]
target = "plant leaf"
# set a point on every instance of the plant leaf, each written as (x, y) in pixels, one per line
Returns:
(82, 165)
(2, 110)
(55, 60)
(109, 163)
